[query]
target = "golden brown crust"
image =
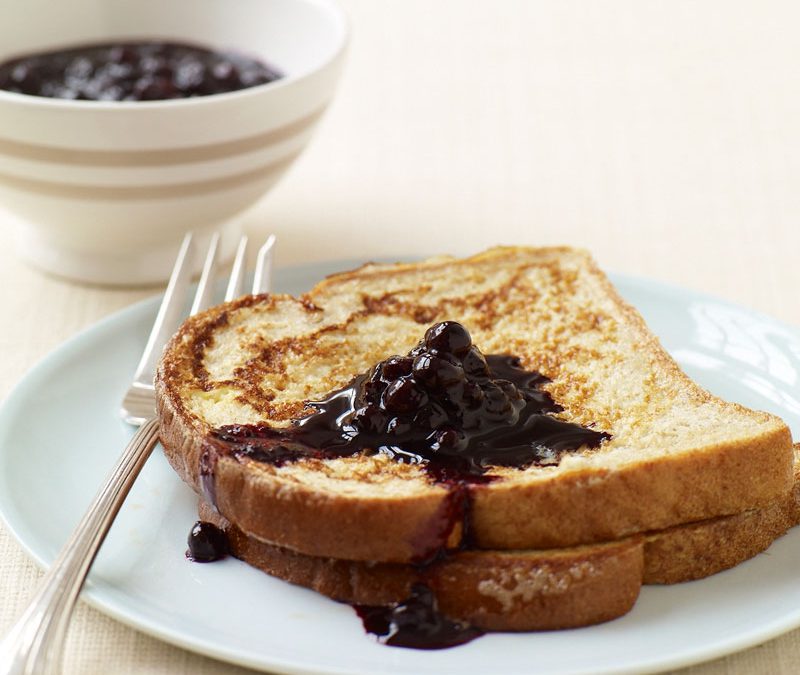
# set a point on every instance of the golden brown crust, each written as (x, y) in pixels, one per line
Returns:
(535, 590)
(543, 590)
(492, 590)
(602, 506)
(582, 501)
(697, 550)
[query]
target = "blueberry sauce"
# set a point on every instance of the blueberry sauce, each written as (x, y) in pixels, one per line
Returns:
(443, 406)
(415, 623)
(133, 71)
(207, 543)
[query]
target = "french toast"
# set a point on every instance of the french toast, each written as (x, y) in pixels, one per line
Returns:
(671, 453)
(535, 590)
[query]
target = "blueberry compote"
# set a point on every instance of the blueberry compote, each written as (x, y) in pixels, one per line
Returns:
(415, 623)
(207, 543)
(132, 71)
(443, 406)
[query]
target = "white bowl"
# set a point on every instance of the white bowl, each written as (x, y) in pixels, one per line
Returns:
(104, 191)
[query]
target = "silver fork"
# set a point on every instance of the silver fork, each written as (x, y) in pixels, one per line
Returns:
(35, 644)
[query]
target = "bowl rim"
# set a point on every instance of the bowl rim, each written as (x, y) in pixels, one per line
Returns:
(336, 12)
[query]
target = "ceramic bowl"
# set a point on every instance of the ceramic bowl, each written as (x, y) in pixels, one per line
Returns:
(103, 191)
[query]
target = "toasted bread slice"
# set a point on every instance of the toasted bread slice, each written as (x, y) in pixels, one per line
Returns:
(697, 550)
(535, 590)
(493, 590)
(677, 454)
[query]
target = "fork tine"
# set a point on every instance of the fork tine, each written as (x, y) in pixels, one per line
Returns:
(169, 314)
(204, 294)
(262, 278)
(236, 282)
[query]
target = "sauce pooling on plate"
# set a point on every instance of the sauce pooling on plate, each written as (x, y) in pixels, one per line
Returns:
(133, 71)
(415, 623)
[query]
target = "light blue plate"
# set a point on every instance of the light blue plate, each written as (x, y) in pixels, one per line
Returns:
(60, 435)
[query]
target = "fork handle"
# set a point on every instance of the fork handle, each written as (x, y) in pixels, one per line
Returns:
(35, 644)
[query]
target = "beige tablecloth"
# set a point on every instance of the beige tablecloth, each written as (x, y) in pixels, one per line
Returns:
(663, 136)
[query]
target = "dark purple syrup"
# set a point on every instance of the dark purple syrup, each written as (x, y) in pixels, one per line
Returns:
(415, 623)
(207, 543)
(443, 406)
(133, 71)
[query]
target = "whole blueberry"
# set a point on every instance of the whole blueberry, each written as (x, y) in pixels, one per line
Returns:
(475, 364)
(449, 337)
(419, 349)
(403, 395)
(496, 402)
(430, 416)
(206, 543)
(472, 394)
(509, 389)
(437, 371)
(395, 367)
(370, 419)
(373, 388)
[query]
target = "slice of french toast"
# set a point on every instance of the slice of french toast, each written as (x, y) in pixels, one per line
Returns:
(535, 590)
(491, 590)
(671, 453)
